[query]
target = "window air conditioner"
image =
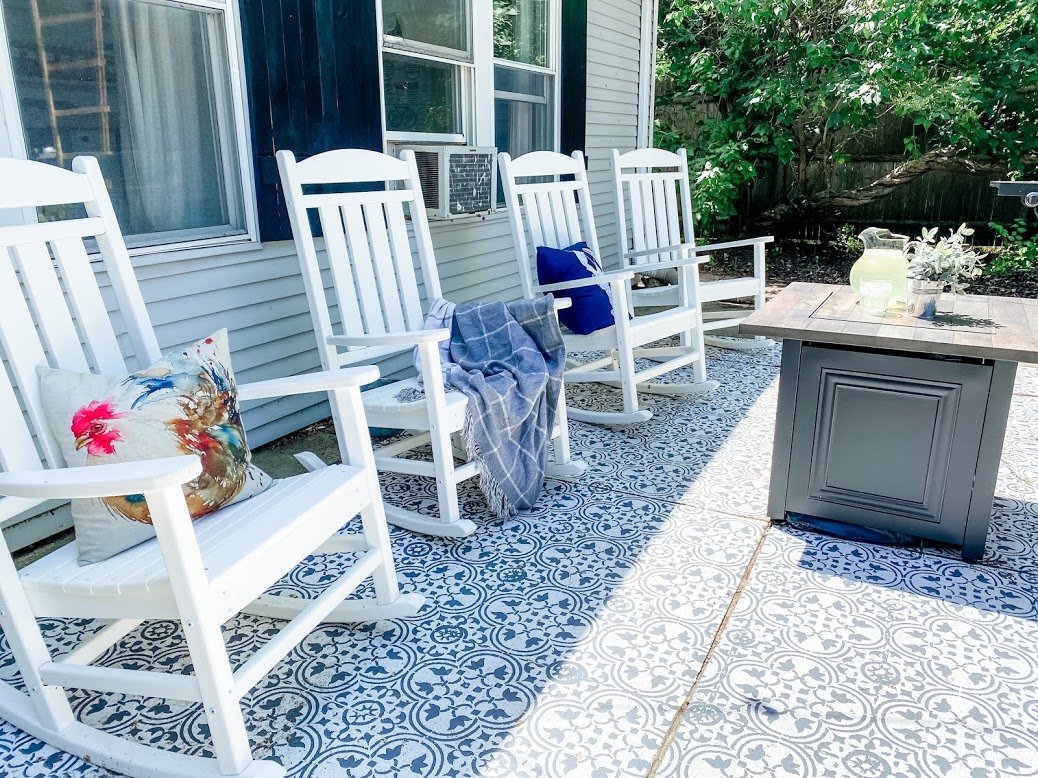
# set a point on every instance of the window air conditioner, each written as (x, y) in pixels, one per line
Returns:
(457, 180)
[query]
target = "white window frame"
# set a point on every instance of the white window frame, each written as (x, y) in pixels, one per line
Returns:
(12, 135)
(464, 60)
(552, 72)
(478, 93)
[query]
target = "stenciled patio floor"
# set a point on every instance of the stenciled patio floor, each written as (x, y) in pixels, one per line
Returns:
(647, 620)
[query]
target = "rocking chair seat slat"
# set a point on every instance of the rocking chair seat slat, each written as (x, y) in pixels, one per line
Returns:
(709, 291)
(241, 546)
(383, 399)
(643, 329)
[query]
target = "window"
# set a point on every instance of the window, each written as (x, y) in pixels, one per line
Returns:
(472, 72)
(149, 87)
(433, 24)
(422, 97)
(521, 31)
(524, 78)
(524, 110)
(426, 68)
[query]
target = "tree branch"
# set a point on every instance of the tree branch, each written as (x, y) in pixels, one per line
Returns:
(906, 172)
(943, 159)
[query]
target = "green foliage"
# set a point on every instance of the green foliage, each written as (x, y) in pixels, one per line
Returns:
(948, 260)
(719, 177)
(847, 238)
(790, 82)
(1020, 248)
(511, 40)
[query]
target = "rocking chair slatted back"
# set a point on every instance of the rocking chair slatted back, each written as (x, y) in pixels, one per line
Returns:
(52, 308)
(557, 213)
(200, 573)
(652, 181)
(370, 255)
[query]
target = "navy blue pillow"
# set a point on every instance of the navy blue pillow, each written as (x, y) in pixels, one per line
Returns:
(591, 310)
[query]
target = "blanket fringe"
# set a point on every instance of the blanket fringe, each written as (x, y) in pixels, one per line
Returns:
(495, 496)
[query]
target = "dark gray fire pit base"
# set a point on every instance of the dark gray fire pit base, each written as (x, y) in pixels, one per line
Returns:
(897, 442)
(893, 422)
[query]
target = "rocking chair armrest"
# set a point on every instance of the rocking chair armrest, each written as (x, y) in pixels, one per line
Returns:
(734, 244)
(695, 259)
(562, 303)
(149, 475)
(308, 383)
(690, 247)
(407, 338)
(617, 276)
(697, 249)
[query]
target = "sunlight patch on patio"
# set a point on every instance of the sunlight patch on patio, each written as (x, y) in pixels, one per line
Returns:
(565, 641)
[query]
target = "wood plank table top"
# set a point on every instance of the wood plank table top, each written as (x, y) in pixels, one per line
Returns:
(982, 327)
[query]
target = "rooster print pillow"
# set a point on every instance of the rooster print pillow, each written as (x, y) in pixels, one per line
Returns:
(186, 403)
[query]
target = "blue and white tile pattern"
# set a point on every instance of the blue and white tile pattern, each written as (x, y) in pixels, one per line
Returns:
(566, 642)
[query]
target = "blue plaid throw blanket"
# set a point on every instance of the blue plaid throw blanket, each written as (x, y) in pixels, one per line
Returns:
(507, 359)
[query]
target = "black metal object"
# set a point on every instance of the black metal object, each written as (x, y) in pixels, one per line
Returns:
(1027, 191)
(898, 442)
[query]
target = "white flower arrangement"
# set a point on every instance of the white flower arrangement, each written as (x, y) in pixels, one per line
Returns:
(948, 261)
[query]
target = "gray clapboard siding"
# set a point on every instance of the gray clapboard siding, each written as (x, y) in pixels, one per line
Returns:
(613, 71)
(257, 293)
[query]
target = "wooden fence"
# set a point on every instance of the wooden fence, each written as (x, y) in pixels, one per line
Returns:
(934, 199)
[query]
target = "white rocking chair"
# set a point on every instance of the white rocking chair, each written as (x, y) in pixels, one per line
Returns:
(557, 214)
(375, 288)
(661, 230)
(199, 573)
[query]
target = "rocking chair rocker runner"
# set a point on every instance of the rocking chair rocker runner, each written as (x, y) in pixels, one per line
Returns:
(200, 573)
(557, 214)
(646, 179)
(375, 287)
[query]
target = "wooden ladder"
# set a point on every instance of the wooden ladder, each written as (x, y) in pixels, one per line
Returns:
(94, 18)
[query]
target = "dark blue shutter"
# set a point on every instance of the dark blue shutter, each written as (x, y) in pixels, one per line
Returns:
(312, 69)
(573, 75)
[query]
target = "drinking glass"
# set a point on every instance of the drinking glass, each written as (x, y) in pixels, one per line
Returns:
(875, 294)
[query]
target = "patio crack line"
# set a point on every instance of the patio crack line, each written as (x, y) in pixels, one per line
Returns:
(621, 491)
(729, 612)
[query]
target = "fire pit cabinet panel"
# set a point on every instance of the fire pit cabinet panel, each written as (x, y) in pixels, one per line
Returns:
(886, 440)
(893, 422)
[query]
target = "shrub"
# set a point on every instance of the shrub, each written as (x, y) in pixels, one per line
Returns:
(789, 83)
(1019, 248)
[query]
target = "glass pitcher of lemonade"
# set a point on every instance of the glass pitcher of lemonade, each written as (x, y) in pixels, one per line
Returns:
(884, 257)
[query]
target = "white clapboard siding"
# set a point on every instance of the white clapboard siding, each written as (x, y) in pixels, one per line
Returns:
(613, 75)
(258, 295)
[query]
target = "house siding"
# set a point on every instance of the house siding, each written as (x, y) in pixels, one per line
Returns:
(614, 57)
(257, 292)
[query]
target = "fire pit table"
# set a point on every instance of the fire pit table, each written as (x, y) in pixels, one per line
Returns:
(893, 422)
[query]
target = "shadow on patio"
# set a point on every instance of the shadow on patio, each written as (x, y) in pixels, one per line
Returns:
(560, 642)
